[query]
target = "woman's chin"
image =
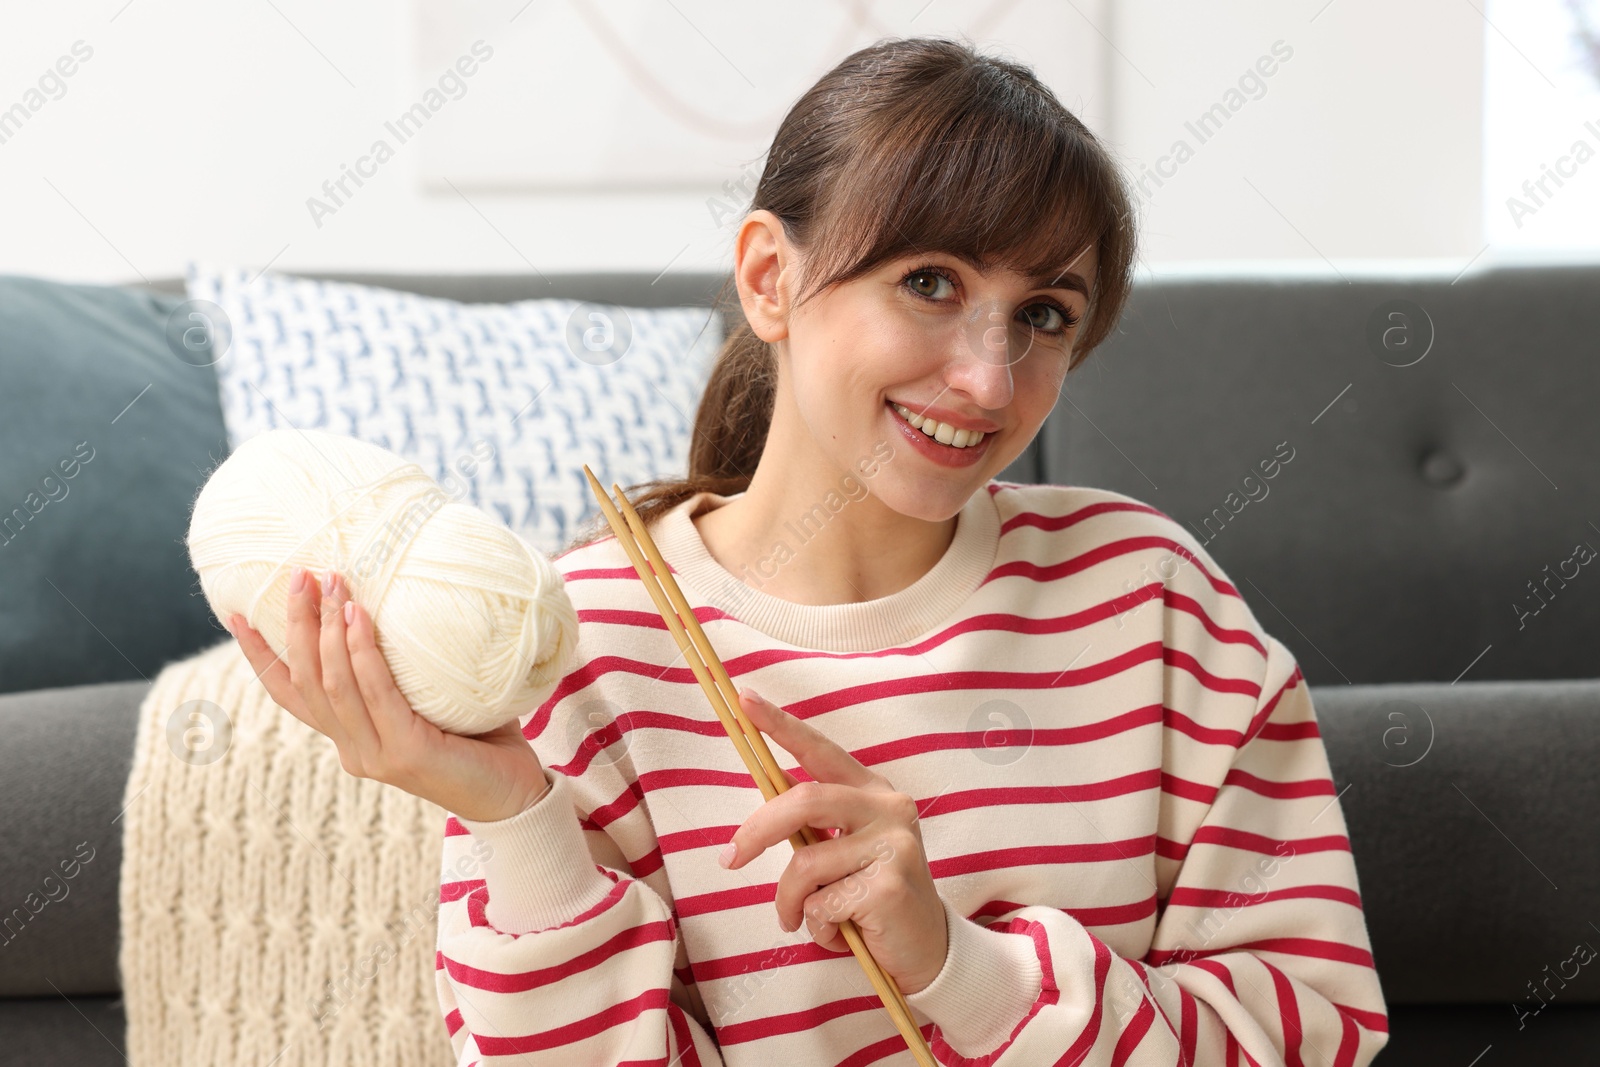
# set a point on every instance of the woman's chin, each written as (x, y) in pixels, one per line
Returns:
(934, 498)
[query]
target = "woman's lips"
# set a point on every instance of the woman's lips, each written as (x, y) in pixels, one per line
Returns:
(944, 455)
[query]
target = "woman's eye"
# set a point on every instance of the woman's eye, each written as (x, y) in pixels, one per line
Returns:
(1049, 318)
(1042, 319)
(929, 280)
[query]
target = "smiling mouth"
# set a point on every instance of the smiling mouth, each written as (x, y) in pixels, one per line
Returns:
(941, 432)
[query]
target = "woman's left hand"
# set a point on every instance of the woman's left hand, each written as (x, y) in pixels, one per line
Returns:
(873, 871)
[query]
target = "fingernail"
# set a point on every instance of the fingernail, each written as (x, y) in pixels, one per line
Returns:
(349, 612)
(752, 694)
(297, 579)
(228, 625)
(729, 851)
(327, 582)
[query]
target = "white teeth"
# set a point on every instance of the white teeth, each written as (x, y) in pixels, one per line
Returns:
(942, 432)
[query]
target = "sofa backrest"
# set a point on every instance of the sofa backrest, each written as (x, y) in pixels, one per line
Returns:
(1400, 474)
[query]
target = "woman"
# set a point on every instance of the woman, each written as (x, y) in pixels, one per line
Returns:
(1080, 809)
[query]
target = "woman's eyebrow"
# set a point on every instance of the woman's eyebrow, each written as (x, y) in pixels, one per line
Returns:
(1060, 280)
(1064, 280)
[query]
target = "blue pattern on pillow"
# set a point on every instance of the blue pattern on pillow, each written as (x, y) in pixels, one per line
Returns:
(490, 399)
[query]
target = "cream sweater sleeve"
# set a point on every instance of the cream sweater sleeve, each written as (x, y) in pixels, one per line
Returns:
(554, 958)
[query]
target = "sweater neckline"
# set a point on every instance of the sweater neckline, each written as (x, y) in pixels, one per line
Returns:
(856, 627)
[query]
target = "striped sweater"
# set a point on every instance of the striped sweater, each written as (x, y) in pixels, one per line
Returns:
(1124, 800)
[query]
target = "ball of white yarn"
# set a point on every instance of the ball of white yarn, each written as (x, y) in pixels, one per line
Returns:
(474, 622)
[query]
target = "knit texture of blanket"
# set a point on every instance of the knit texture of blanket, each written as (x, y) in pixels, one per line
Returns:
(274, 909)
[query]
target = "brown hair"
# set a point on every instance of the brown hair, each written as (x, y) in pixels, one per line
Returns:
(909, 144)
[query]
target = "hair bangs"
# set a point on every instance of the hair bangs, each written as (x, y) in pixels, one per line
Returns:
(1002, 185)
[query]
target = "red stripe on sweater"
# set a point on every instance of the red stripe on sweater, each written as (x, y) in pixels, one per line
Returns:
(726, 899)
(1188, 1027)
(677, 841)
(571, 1033)
(1107, 915)
(1142, 972)
(879, 1050)
(1101, 553)
(1289, 731)
(1182, 787)
(795, 1021)
(1309, 947)
(1244, 839)
(522, 981)
(763, 960)
(1349, 1042)
(1225, 976)
(1179, 602)
(449, 891)
(1137, 1027)
(682, 1036)
(1376, 1021)
(1288, 1014)
(961, 800)
(1305, 787)
(606, 814)
(1034, 855)
(1177, 657)
(1075, 516)
(1221, 898)
(1210, 735)
(1265, 713)
(647, 864)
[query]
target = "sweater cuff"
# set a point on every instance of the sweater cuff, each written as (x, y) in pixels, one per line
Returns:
(539, 872)
(988, 986)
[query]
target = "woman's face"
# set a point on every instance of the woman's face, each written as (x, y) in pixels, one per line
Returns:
(931, 334)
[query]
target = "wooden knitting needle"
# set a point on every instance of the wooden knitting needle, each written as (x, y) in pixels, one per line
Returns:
(887, 990)
(747, 739)
(757, 741)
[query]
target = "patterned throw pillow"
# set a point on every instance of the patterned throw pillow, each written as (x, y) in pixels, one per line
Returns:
(502, 403)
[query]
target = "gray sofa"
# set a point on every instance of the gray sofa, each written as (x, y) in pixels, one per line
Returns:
(1405, 501)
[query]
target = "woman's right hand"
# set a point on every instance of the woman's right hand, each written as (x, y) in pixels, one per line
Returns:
(333, 678)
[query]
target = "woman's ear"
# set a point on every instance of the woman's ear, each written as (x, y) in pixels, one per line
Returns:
(764, 272)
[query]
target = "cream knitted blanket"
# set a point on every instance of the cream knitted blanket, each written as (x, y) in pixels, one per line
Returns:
(275, 910)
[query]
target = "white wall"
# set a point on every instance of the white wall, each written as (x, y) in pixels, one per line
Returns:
(1364, 141)
(199, 130)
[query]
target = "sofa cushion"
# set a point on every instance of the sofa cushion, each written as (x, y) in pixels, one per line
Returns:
(105, 436)
(501, 403)
(1471, 810)
(64, 769)
(82, 1031)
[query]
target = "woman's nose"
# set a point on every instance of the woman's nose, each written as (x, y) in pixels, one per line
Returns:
(989, 346)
